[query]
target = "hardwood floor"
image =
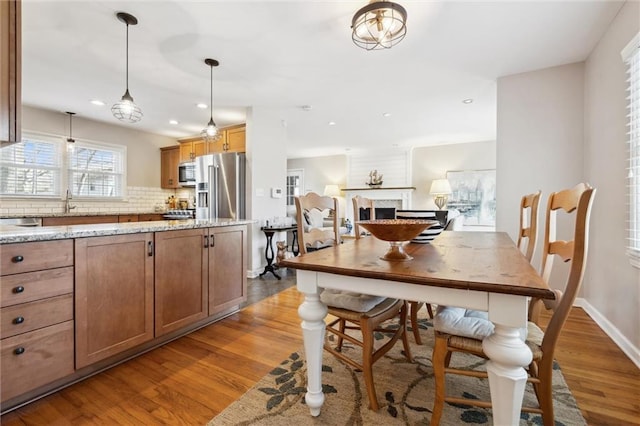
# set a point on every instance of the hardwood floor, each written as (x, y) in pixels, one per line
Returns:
(190, 380)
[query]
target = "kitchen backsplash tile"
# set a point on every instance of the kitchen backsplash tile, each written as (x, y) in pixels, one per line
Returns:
(139, 199)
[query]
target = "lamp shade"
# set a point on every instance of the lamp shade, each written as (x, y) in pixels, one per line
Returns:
(332, 190)
(440, 186)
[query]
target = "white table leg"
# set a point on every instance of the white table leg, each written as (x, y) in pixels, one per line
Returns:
(312, 311)
(507, 378)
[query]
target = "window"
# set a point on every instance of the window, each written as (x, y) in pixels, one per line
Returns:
(631, 56)
(42, 166)
(96, 171)
(32, 167)
(295, 182)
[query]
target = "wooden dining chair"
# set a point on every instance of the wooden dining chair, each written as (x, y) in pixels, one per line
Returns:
(364, 203)
(528, 234)
(577, 201)
(352, 311)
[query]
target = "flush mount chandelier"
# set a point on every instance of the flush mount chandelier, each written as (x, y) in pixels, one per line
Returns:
(70, 139)
(379, 25)
(126, 110)
(211, 133)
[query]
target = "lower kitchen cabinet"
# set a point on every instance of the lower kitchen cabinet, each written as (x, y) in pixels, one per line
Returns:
(227, 267)
(113, 295)
(181, 288)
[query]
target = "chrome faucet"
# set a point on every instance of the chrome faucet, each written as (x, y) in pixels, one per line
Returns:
(67, 204)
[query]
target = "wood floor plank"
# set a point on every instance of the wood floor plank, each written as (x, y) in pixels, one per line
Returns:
(190, 380)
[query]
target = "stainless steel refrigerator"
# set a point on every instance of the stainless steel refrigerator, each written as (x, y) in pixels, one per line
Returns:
(220, 186)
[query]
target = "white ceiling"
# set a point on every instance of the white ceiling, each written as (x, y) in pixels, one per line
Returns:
(286, 54)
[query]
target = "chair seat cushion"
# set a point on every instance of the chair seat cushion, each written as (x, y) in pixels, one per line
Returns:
(463, 322)
(348, 300)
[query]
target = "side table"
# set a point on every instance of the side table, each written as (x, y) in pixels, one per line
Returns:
(269, 231)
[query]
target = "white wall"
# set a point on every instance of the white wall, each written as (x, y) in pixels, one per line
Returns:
(612, 285)
(266, 169)
(433, 162)
(143, 148)
(321, 171)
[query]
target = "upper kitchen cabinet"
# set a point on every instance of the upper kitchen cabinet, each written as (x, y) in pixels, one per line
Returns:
(191, 148)
(10, 69)
(233, 140)
(169, 160)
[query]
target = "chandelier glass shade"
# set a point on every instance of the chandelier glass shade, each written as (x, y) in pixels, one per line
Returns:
(126, 109)
(379, 25)
(70, 139)
(211, 133)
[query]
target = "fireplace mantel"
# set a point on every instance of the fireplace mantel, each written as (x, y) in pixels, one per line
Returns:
(386, 188)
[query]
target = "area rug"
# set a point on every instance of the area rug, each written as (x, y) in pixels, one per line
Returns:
(405, 392)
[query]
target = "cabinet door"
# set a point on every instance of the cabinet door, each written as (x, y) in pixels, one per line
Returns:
(236, 138)
(169, 160)
(227, 267)
(186, 151)
(199, 148)
(114, 295)
(181, 279)
(10, 71)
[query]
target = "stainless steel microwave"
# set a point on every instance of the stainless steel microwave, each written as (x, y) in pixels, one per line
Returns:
(187, 174)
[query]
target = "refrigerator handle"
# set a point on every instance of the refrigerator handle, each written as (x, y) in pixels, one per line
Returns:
(215, 197)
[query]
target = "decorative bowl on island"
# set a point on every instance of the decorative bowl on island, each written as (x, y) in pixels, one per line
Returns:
(396, 232)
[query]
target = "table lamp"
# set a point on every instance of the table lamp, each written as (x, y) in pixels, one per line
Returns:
(440, 189)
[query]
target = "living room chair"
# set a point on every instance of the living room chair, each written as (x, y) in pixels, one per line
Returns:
(353, 311)
(528, 234)
(464, 333)
(364, 203)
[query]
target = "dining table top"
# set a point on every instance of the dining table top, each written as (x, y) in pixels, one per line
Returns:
(481, 261)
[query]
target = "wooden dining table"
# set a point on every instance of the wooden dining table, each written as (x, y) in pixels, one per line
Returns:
(474, 270)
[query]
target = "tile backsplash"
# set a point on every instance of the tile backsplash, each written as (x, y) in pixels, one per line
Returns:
(139, 200)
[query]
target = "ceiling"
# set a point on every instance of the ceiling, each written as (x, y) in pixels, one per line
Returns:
(284, 55)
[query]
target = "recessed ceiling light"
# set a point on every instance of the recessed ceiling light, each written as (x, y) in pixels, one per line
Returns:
(386, 114)
(202, 106)
(467, 101)
(173, 121)
(97, 102)
(331, 123)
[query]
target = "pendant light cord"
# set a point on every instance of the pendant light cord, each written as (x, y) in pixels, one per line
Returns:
(211, 100)
(127, 61)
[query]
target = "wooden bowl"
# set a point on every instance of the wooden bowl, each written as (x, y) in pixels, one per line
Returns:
(396, 231)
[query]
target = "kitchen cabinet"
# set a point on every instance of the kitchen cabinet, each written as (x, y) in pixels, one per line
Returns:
(169, 160)
(127, 218)
(233, 140)
(150, 217)
(181, 288)
(227, 267)
(191, 148)
(36, 315)
(113, 295)
(10, 72)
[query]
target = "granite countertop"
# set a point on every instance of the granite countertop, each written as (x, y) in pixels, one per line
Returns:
(18, 234)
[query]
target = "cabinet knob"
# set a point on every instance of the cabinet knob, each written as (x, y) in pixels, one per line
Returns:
(19, 350)
(18, 289)
(17, 259)
(18, 320)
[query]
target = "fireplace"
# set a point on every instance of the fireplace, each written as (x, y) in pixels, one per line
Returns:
(381, 213)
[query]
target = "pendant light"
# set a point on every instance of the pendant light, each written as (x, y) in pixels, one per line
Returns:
(211, 133)
(126, 110)
(70, 139)
(379, 25)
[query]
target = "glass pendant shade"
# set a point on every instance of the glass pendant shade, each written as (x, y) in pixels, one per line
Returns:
(211, 133)
(379, 25)
(126, 109)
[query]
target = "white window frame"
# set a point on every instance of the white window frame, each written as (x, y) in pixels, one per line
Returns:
(59, 167)
(64, 163)
(84, 143)
(631, 57)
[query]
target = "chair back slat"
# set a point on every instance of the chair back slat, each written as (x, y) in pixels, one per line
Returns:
(528, 234)
(361, 203)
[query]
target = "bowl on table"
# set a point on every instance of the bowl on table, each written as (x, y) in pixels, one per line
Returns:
(396, 232)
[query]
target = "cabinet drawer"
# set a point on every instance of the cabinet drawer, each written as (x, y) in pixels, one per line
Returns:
(128, 218)
(36, 358)
(27, 257)
(22, 288)
(31, 316)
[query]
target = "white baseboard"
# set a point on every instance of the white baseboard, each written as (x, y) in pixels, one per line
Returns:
(255, 273)
(618, 338)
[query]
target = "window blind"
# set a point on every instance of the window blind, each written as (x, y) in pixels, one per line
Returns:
(631, 56)
(31, 168)
(96, 171)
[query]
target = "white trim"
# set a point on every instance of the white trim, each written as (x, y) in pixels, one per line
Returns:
(618, 338)
(634, 257)
(629, 48)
